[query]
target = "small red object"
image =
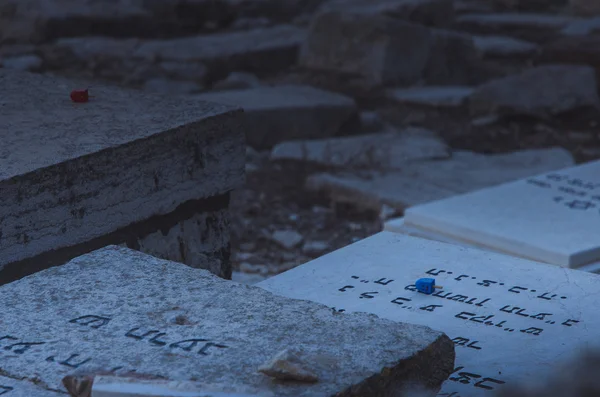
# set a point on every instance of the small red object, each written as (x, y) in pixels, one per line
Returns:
(80, 96)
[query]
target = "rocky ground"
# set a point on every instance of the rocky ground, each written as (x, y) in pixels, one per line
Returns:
(355, 109)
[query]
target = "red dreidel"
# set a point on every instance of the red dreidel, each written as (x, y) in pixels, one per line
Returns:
(80, 96)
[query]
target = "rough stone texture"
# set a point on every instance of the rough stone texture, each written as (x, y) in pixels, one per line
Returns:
(581, 50)
(276, 114)
(389, 150)
(431, 96)
(437, 13)
(10, 387)
(542, 92)
(433, 180)
(582, 27)
(164, 319)
(201, 241)
(260, 51)
(61, 184)
(528, 26)
(504, 47)
(586, 8)
(41, 20)
(382, 50)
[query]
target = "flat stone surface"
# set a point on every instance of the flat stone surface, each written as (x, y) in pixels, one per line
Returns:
(261, 50)
(582, 27)
(553, 217)
(426, 181)
(511, 319)
(281, 113)
(397, 225)
(387, 150)
(438, 13)
(543, 91)
(504, 46)
(439, 96)
(60, 183)
(22, 388)
(508, 20)
(119, 310)
(380, 50)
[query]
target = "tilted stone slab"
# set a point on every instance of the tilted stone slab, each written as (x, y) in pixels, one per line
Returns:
(111, 170)
(117, 310)
(513, 321)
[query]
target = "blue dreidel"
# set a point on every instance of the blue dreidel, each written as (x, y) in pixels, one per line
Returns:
(426, 285)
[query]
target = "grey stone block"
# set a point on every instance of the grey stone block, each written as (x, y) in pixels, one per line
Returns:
(76, 177)
(117, 310)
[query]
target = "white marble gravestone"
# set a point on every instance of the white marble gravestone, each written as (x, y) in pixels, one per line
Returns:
(398, 225)
(552, 218)
(511, 319)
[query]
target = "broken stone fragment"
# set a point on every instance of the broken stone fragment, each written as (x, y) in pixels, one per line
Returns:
(543, 91)
(282, 113)
(289, 364)
(381, 50)
(387, 150)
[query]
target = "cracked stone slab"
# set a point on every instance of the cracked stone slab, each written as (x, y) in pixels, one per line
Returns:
(495, 307)
(385, 150)
(118, 311)
(71, 173)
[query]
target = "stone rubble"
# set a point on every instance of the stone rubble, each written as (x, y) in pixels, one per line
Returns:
(328, 87)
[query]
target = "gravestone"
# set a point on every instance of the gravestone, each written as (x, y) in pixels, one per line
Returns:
(552, 218)
(398, 225)
(125, 168)
(118, 311)
(511, 319)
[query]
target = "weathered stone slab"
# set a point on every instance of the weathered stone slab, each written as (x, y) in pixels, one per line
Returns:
(579, 50)
(582, 27)
(585, 7)
(551, 218)
(438, 13)
(440, 96)
(260, 51)
(504, 46)
(22, 388)
(512, 320)
(75, 177)
(119, 310)
(425, 181)
(46, 20)
(528, 26)
(543, 91)
(276, 114)
(383, 151)
(382, 50)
